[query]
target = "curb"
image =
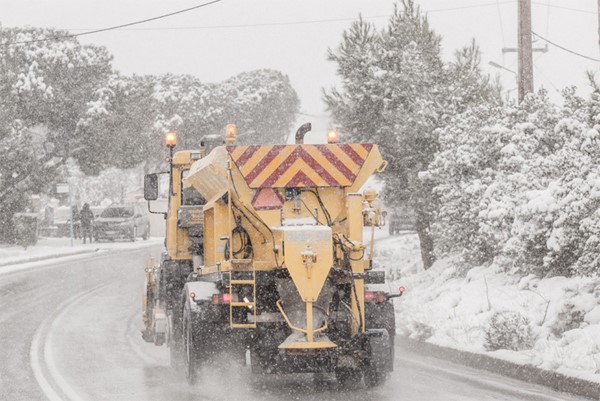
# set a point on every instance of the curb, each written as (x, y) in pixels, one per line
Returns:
(39, 258)
(524, 372)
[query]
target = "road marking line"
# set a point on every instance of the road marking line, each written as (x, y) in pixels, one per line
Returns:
(34, 358)
(137, 349)
(36, 362)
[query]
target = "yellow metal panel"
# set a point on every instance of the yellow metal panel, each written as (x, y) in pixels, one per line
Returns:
(308, 277)
(255, 159)
(266, 169)
(355, 232)
(307, 345)
(292, 171)
(372, 163)
(278, 166)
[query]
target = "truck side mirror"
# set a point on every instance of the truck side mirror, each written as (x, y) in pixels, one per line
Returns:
(151, 187)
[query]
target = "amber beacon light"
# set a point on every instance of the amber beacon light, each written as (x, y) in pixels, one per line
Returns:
(230, 133)
(170, 139)
(332, 136)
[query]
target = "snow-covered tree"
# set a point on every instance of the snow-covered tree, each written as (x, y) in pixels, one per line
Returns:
(133, 113)
(62, 101)
(520, 185)
(396, 91)
(45, 86)
(261, 103)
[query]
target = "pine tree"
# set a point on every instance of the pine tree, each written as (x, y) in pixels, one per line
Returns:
(396, 91)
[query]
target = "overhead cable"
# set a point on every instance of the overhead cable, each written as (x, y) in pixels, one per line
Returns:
(565, 49)
(579, 10)
(270, 24)
(114, 27)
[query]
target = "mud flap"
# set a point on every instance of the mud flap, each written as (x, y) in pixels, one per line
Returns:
(160, 327)
(381, 350)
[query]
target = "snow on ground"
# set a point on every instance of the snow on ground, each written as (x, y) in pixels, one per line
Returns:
(450, 306)
(58, 247)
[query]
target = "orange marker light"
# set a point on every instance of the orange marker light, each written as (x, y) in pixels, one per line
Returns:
(332, 136)
(230, 133)
(170, 139)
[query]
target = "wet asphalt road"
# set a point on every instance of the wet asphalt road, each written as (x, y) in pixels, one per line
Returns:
(70, 331)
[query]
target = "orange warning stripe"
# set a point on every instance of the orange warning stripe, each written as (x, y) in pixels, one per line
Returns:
(279, 166)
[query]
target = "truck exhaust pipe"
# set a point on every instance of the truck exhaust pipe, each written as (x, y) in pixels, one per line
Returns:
(304, 128)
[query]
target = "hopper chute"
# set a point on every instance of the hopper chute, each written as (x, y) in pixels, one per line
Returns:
(209, 174)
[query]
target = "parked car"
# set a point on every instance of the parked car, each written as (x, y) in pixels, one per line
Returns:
(62, 221)
(122, 222)
(401, 219)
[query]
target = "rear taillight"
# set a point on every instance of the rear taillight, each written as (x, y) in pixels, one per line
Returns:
(223, 298)
(375, 296)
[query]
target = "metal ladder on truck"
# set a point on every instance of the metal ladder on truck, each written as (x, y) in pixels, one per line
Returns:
(242, 274)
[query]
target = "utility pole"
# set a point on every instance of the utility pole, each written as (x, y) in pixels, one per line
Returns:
(525, 50)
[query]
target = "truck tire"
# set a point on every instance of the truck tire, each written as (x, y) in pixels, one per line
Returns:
(347, 378)
(190, 348)
(374, 377)
(175, 345)
(380, 316)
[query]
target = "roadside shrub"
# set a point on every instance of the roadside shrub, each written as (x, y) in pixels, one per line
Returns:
(509, 330)
(568, 318)
(420, 331)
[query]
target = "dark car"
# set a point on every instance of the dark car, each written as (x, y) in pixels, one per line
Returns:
(122, 221)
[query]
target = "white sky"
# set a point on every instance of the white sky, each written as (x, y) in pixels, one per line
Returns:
(299, 50)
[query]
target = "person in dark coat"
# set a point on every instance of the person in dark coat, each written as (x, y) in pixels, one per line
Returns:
(86, 219)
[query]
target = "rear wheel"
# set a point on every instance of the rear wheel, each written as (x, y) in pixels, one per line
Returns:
(380, 316)
(175, 340)
(348, 378)
(374, 377)
(190, 353)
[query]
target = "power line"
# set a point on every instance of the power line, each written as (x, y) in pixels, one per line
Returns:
(268, 24)
(565, 8)
(501, 24)
(565, 49)
(546, 78)
(471, 6)
(116, 26)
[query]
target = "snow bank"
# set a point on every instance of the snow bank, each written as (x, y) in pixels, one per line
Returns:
(451, 306)
(48, 248)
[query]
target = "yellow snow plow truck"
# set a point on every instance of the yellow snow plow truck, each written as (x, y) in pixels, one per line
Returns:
(265, 256)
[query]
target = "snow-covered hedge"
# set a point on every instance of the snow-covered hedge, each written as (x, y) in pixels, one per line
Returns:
(520, 186)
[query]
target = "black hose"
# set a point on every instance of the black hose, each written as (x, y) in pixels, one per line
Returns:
(322, 205)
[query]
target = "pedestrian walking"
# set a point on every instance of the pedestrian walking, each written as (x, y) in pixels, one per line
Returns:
(86, 219)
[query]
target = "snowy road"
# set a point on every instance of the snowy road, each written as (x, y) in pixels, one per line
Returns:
(70, 331)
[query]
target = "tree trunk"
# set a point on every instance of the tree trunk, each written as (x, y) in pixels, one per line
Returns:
(425, 238)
